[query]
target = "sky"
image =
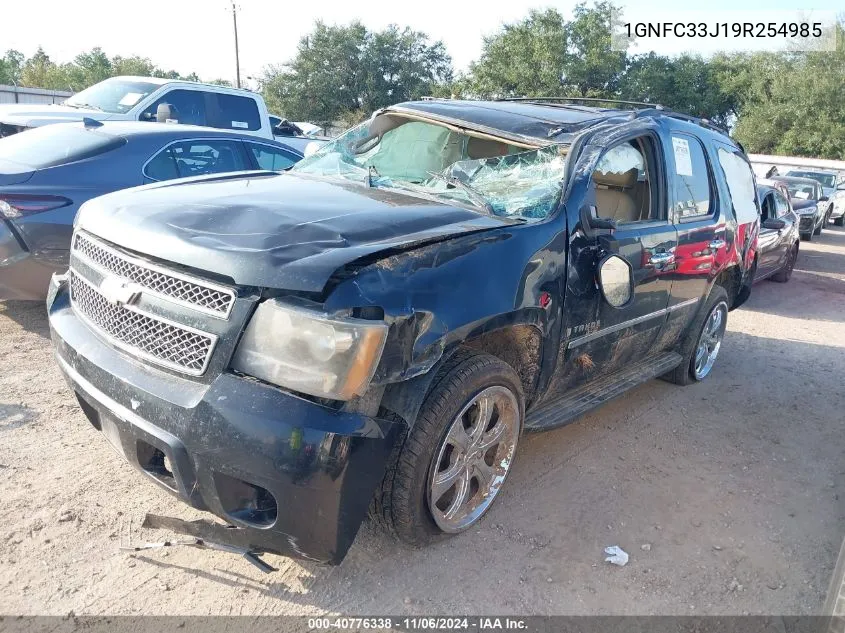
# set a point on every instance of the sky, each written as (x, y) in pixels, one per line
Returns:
(196, 35)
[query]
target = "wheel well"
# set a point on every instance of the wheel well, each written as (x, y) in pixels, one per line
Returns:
(517, 345)
(729, 279)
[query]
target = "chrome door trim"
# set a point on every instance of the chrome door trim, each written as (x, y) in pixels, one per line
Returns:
(576, 342)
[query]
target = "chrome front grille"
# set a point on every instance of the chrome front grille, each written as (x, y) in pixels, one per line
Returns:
(196, 293)
(157, 340)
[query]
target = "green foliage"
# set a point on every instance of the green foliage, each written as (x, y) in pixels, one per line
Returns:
(783, 103)
(11, 65)
(797, 107)
(88, 68)
(346, 72)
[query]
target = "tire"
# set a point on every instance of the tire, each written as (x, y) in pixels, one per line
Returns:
(685, 373)
(818, 230)
(783, 275)
(807, 237)
(840, 221)
(403, 504)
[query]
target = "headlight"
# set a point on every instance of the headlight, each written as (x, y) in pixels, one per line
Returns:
(310, 352)
(807, 210)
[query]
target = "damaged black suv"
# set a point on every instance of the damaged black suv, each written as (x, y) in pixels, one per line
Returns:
(376, 327)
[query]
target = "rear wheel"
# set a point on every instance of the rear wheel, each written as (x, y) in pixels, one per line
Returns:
(785, 272)
(704, 340)
(458, 453)
(807, 237)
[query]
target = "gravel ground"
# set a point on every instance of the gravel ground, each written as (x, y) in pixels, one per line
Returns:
(726, 494)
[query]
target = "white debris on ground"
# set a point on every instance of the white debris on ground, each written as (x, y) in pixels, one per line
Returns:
(616, 555)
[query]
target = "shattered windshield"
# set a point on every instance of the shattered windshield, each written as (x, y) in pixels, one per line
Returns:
(432, 161)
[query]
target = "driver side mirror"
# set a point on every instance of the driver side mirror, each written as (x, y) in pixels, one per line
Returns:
(823, 199)
(616, 281)
(773, 224)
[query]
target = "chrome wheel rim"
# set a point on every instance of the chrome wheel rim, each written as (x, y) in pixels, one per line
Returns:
(710, 340)
(473, 459)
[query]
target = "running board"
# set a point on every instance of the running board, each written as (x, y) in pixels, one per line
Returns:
(576, 403)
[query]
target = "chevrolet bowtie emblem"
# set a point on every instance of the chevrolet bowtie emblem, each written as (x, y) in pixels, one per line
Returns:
(118, 291)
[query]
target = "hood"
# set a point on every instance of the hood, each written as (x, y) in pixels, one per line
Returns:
(283, 231)
(29, 115)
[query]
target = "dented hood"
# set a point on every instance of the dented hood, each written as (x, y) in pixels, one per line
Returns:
(283, 231)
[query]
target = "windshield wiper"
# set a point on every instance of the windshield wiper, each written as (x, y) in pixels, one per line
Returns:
(80, 106)
(474, 195)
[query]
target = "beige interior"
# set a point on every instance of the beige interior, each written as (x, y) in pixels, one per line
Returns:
(615, 195)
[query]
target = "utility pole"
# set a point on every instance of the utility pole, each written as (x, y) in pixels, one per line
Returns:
(237, 56)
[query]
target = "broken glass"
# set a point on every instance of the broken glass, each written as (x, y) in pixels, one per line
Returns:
(432, 161)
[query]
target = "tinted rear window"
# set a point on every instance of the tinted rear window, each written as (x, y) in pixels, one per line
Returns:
(235, 113)
(54, 145)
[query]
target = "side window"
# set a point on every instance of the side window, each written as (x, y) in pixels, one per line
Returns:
(740, 181)
(162, 166)
(623, 181)
(187, 106)
(235, 113)
(781, 204)
(196, 158)
(767, 207)
(691, 193)
(271, 158)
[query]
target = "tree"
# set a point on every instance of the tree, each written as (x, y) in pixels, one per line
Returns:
(546, 55)
(591, 67)
(88, 69)
(526, 58)
(11, 65)
(344, 71)
(798, 106)
(134, 65)
(686, 83)
(39, 71)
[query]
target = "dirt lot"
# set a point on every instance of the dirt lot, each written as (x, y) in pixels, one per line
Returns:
(726, 494)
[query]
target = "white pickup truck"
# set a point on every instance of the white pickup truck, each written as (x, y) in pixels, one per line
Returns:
(149, 99)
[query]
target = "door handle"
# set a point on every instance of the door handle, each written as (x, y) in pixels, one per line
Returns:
(716, 244)
(661, 259)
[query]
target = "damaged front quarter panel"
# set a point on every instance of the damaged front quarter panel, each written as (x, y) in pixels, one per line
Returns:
(439, 296)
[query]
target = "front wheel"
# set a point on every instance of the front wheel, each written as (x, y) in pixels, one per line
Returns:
(840, 221)
(819, 228)
(703, 341)
(807, 237)
(458, 453)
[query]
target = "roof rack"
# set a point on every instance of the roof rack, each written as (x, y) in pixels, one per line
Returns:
(698, 120)
(656, 106)
(645, 109)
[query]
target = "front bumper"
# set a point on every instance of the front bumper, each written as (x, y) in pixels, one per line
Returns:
(22, 276)
(806, 223)
(296, 476)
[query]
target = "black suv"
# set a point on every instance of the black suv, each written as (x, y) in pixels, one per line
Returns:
(376, 327)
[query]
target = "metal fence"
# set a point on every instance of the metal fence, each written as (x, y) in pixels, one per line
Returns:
(19, 94)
